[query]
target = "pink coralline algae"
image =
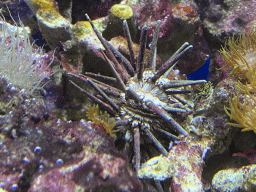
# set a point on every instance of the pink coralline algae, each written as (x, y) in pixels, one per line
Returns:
(148, 13)
(249, 154)
(93, 173)
(48, 146)
(184, 164)
(180, 23)
(188, 162)
(223, 18)
(36, 142)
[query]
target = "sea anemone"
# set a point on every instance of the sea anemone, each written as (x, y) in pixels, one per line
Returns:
(20, 64)
(241, 57)
(243, 113)
(241, 54)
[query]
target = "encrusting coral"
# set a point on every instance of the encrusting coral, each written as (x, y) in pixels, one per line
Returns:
(121, 11)
(97, 116)
(34, 5)
(241, 57)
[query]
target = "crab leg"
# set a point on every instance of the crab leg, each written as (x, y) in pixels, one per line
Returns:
(143, 41)
(172, 61)
(129, 42)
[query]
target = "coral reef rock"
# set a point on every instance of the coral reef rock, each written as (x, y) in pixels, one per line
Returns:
(241, 179)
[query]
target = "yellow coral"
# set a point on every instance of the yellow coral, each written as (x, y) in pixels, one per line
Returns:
(83, 28)
(206, 91)
(45, 4)
(121, 11)
(243, 113)
(251, 86)
(34, 5)
(241, 57)
(241, 54)
(97, 116)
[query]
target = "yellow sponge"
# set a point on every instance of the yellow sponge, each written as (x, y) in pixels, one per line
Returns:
(121, 11)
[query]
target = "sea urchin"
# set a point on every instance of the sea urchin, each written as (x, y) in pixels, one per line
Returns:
(145, 99)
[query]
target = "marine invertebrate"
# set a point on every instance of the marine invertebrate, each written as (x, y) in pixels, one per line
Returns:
(240, 54)
(142, 99)
(243, 113)
(121, 11)
(20, 64)
(205, 92)
(34, 5)
(95, 115)
(241, 57)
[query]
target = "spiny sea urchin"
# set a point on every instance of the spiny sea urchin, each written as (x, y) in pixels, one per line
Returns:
(145, 100)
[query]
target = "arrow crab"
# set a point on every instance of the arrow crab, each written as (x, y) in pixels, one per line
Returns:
(144, 100)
